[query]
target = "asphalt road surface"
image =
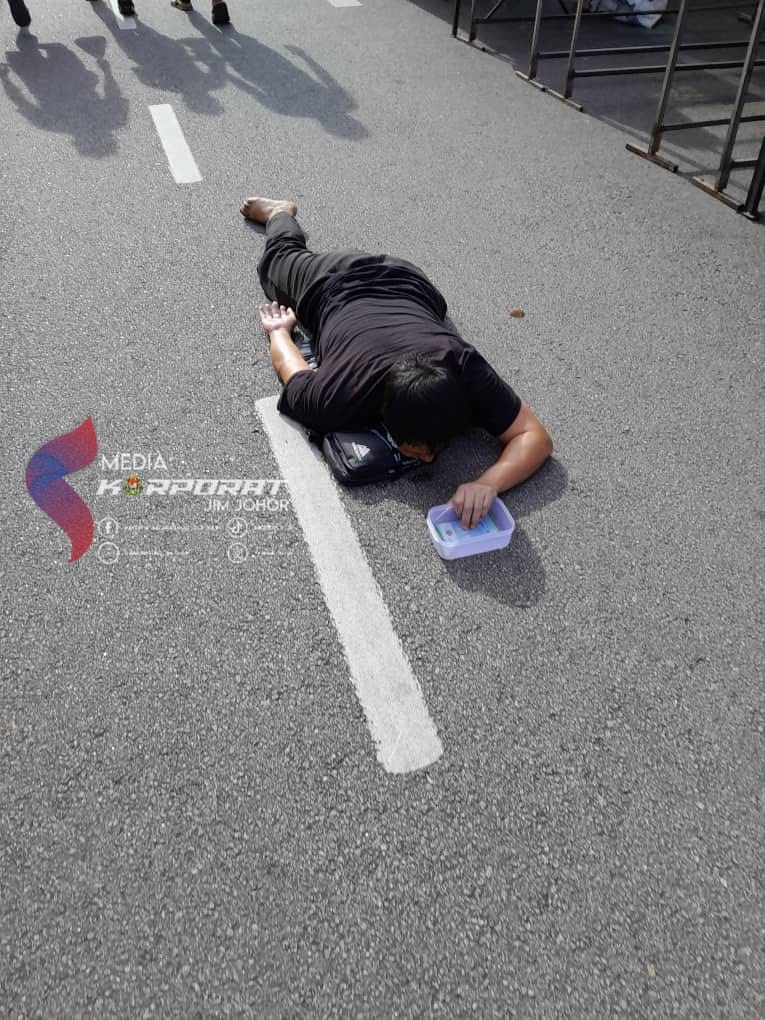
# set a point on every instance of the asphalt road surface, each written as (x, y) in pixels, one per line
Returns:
(199, 813)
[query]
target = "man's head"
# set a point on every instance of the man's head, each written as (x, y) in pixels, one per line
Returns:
(424, 407)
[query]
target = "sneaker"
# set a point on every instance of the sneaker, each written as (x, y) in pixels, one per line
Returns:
(21, 15)
(220, 14)
(126, 7)
(181, 5)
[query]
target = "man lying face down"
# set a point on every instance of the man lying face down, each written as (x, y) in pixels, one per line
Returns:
(385, 354)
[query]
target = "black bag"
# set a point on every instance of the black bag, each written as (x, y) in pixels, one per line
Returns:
(369, 455)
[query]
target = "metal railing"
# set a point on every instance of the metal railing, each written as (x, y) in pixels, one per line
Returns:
(669, 69)
(727, 161)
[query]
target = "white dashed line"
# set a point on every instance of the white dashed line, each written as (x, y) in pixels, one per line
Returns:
(183, 166)
(404, 735)
(345, 3)
(126, 24)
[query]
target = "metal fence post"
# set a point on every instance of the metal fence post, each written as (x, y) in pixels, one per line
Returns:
(723, 174)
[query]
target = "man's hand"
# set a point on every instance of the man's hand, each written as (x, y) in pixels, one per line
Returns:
(279, 322)
(276, 316)
(472, 501)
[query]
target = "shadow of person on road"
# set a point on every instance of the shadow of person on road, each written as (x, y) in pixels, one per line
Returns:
(168, 65)
(65, 97)
(279, 84)
(233, 58)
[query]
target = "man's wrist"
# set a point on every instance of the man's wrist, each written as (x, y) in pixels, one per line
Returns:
(274, 334)
(489, 482)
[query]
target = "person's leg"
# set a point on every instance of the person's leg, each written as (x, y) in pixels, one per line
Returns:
(20, 13)
(290, 273)
(220, 13)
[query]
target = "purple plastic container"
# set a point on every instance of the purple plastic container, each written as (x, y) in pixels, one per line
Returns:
(452, 541)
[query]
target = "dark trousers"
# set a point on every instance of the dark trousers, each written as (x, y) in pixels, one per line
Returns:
(294, 276)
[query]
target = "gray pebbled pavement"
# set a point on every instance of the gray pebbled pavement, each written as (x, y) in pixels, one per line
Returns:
(192, 819)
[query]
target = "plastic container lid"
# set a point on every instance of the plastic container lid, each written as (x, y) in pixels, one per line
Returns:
(452, 541)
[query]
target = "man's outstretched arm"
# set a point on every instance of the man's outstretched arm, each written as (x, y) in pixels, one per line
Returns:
(279, 322)
(527, 445)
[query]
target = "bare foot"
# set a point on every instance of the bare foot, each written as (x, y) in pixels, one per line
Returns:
(260, 210)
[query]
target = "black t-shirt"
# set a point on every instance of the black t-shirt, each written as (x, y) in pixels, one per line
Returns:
(368, 317)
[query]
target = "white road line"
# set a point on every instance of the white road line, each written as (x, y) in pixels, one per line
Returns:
(345, 3)
(404, 735)
(126, 24)
(183, 166)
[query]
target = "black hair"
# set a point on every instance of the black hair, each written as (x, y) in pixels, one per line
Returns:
(424, 404)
